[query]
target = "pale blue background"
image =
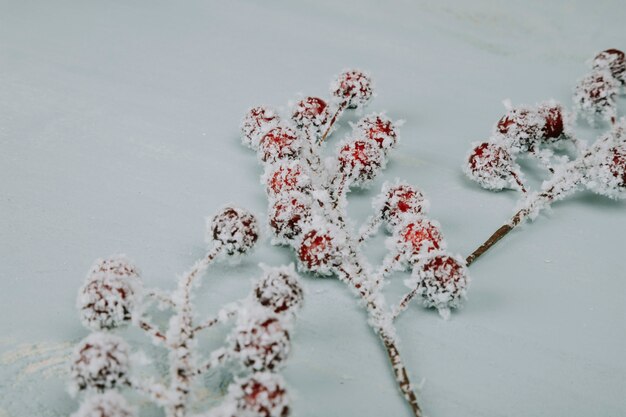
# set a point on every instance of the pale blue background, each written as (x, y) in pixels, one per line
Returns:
(119, 133)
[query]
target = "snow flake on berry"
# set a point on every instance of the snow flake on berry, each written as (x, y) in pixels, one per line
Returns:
(99, 362)
(416, 238)
(380, 129)
(360, 161)
(613, 60)
(286, 176)
(441, 280)
(256, 123)
(311, 112)
(319, 250)
(234, 228)
(262, 394)
(288, 214)
(606, 168)
(399, 201)
(353, 87)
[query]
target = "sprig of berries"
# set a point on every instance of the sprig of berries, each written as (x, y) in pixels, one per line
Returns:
(258, 345)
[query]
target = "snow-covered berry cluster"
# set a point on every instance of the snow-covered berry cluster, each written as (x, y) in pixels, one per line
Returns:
(522, 131)
(257, 347)
(600, 167)
(596, 93)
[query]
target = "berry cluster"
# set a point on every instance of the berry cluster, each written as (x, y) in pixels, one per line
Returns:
(307, 198)
(523, 130)
(257, 346)
(595, 94)
(600, 168)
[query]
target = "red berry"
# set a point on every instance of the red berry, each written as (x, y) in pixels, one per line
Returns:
(491, 166)
(108, 404)
(261, 344)
(380, 129)
(279, 143)
(617, 165)
(354, 88)
(614, 60)
(279, 290)
(288, 216)
(442, 281)
(235, 229)
(286, 178)
(100, 361)
(554, 126)
(318, 252)
(261, 394)
(360, 161)
(311, 112)
(418, 238)
(258, 121)
(402, 200)
(595, 94)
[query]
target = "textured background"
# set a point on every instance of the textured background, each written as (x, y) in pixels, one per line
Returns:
(119, 133)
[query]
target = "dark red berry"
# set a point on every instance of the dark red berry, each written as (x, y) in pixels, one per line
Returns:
(614, 60)
(360, 161)
(258, 121)
(287, 178)
(401, 201)
(418, 238)
(288, 216)
(354, 88)
(318, 252)
(279, 143)
(235, 229)
(380, 129)
(311, 111)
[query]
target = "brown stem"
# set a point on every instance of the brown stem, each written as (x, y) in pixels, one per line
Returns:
(341, 108)
(402, 377)
(519, 181)
(404, 302)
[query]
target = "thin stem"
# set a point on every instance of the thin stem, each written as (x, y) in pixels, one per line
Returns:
(340, 109)
(404, 303)
(152, 330)
(157, 393)
(518, 181)
(217, 357)
(369, 228)
(161, 297)
(223, 315)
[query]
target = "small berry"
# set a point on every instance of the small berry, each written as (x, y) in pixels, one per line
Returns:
(110, 293)
(553, 127)
(262, 394)
(354, 88)
(400, 201)
(100, 362)
(109, 404)
(442, 281)
(606, 174)
(279, 143)
(279, 289)
(287, 177)
(234, 228)
(261, 344)
(594, 96)
(319, 252)
(613, 60)
(360, 161)
(311, 112)
(288, 215)
(417, 238)
(491, 166)
(258, 121)
(379, 129)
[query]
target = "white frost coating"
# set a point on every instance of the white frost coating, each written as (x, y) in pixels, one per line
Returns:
(262, 394)
(319, 249)
(288, 215)
(279, 143)
(352, 87)
(99, 362)
(359, 162)
(286, 176)
(594, 96)
(614, 61)
(256, 123)
(109, 404)
(441, 280)
(606, 166)
(110, 294)
(399, 200)
(311, 114)
(415, 238)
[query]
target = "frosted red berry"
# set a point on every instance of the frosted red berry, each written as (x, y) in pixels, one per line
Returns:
(258, 121)
(108, 404)
(261, 344)
(491, 166)
(417, 238)
(360, 161)
(287, 216)
(235, 229)
(354, 88)
(594, 96)
(262, 395)
(613, 60)
(402, 200)
(279, 290)
(318, 252)
(285, 178)
(441, 280)
(99, 362)
(554, 126)
(311, 112)
(279, 143)
(617, 165)
(379, 129)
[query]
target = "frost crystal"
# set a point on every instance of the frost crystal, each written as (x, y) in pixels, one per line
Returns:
(260, 395)
(279, 290)
(491, 166)
(99, 362)
(256, 123)
(614, 61)
(594, 96)
(281, 142)
(380, 129)
(353, 87)
(311, 113)
(360, 162)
